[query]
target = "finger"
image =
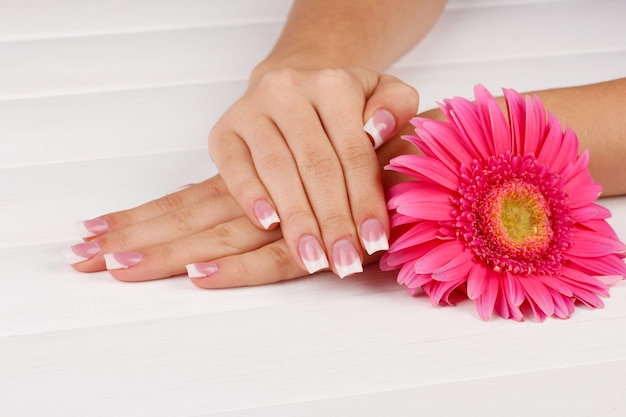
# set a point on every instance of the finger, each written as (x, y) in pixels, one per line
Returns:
(202, 215)
(233, 160)
(321, 174)
(343, 123)
(276, 168)
(169, 259)
(158, 207)
(389, 108)
(265, 265)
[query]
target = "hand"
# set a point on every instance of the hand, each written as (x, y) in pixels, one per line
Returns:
(201, 227)
(293, 151)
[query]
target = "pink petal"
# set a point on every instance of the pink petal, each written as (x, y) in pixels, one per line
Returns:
(402, 256)
(418, 280)
(589, 244)
(483, 98)
(610, 279)
(589, 212)
(563, 306)
(567, 151)
(439, 256)
(535, 125)
(477, 279)
(445, 138)
(421, 191)
(499, 129)
(456, 269)
(551, 145)
(396, 219)
(441, 291)
(406, 273)
(418, 234)
(604, 265)
(538, 313)
(538, 293)
(579, 279)
(485, 303)
(601, 226)
(431, 145)
(428, 169)
(515, 292)
(428, 210)
(463, 114)
(517, 115)
(557, 284)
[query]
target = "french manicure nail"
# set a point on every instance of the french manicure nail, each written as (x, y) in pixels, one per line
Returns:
(265, 213)
(346, 258)
(122, 260)
(81, 252)
(373, 236)
(380, 126)
(312, 254)
(201, 270)
(93, 227)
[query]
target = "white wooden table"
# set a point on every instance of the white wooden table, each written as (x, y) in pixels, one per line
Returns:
(107, 104)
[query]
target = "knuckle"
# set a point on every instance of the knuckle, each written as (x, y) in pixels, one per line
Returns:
(224, 237)
(280, 257)
(182, 221)
(280, 80)
(318, 165)
(116, 241)
(334, 221)
(359, 157)
(338, 79)
(297, 218)
(170, 203)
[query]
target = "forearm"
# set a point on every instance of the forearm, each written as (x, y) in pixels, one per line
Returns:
(334, 34)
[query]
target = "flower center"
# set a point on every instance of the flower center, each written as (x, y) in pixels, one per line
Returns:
(514, 215)
(516, 219)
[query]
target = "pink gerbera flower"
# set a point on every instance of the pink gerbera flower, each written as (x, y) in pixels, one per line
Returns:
(503, 212)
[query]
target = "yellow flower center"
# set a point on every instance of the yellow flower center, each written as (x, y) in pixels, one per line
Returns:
(517, 218)
(521, 218)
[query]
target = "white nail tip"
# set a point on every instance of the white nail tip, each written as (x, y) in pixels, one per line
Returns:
(83, 231)
(370, 128)
(268, 221)
(374, 246)
(112, 263)
(72, 258)
(345, 270)
(316, 265)
(192, 271)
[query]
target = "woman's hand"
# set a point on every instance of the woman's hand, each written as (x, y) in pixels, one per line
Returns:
(293, 150)
(199, 230)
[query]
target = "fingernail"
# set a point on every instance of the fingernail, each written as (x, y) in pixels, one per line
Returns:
(122, 260)
(380, 127)
(373, 236)
(265, 213)
(201, 270)
(346, 258)
(312, 254)
(91, 228)
(81, 252)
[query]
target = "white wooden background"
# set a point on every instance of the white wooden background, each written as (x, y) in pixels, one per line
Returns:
(105, 104)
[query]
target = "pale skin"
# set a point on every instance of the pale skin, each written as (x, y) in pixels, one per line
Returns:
(294, 144)
(204, 223)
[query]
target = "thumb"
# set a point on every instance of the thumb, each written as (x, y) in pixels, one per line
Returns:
(389, 108)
